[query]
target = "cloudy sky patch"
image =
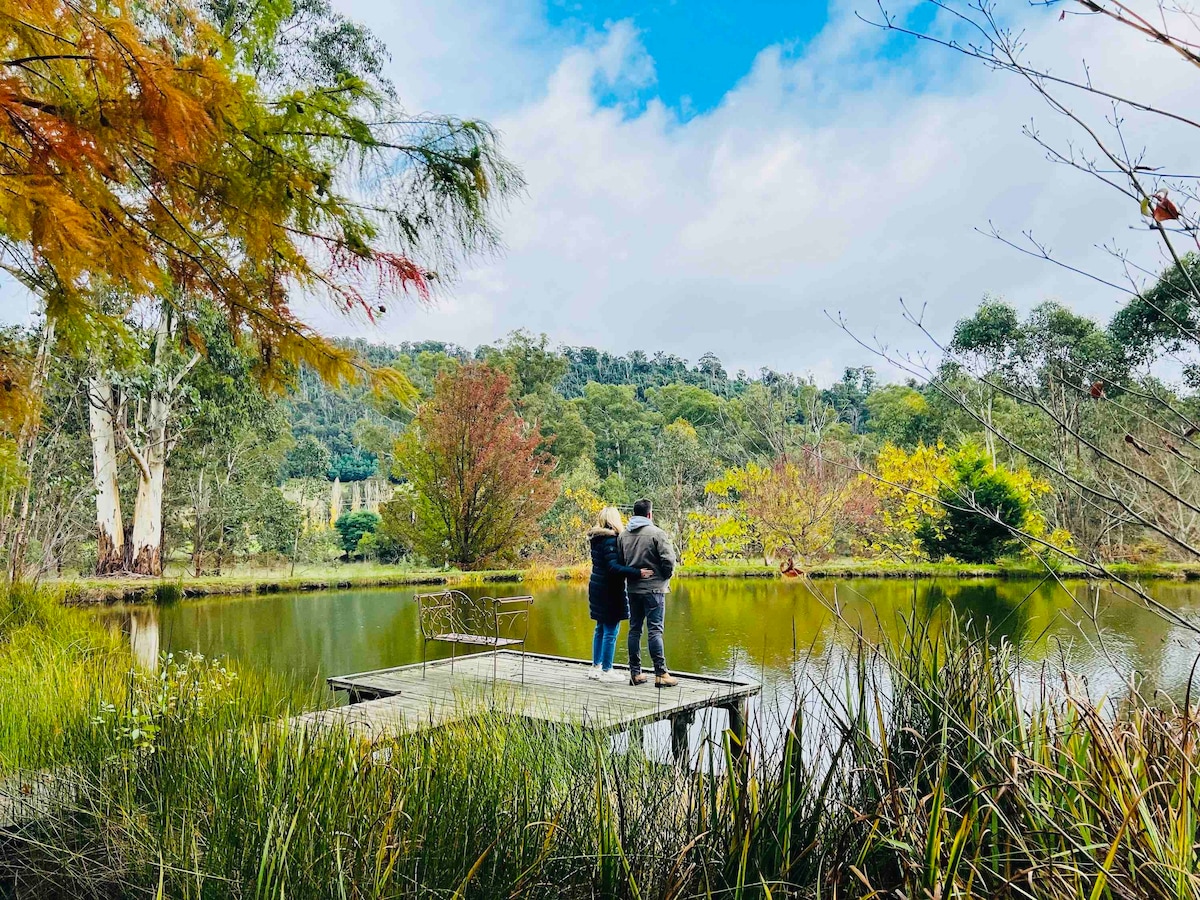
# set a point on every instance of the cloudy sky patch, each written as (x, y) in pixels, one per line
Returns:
(838, 169)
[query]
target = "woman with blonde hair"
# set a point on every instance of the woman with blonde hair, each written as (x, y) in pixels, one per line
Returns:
(607, 600)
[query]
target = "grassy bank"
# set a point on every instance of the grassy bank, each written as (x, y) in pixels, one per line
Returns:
(918, 770)
(181, 585)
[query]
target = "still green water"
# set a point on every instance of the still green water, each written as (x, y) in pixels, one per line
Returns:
(766, 628)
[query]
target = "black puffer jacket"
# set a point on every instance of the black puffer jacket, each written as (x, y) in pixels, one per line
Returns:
(607, 601)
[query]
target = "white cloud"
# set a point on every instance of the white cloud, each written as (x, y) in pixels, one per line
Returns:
(462, 56)
(836, 180)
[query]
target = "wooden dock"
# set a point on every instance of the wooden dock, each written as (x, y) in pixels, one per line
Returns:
(546, 688)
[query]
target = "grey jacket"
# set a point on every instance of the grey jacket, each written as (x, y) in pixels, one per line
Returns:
(644, 545)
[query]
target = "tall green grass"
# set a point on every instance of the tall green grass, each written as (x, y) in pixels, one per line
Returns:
(56, 667)
(921, 770)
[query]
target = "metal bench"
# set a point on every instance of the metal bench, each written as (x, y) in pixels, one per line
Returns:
(454, 618)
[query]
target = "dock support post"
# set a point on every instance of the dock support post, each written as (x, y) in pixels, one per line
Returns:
(737, 727)
(681, 724)
(636, 738)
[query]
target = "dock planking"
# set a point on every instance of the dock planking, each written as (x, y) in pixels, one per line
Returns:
(553, 689)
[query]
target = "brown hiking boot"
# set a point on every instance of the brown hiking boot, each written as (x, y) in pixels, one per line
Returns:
(638, 678)
(665, 680)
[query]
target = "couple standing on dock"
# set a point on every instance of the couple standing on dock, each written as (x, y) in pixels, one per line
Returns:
(631, 577)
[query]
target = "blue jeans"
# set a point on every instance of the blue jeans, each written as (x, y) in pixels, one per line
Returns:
(604, 644)
(650, 609)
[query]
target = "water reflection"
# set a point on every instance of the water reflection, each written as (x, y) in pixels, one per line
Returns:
(140, 626)
(714, 626)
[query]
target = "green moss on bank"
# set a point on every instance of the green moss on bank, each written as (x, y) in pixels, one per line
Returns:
(91, 591)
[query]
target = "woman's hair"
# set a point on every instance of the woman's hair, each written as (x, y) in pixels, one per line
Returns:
(610, 517)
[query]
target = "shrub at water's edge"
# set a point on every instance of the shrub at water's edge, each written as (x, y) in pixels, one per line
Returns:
(920, 770)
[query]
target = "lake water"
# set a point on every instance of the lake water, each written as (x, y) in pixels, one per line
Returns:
(767, 628)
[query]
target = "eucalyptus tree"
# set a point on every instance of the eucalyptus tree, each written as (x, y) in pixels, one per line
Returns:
(530, 363)
(622, 427)
(229, 444)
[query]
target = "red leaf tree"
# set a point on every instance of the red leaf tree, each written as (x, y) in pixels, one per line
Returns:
(476, 482)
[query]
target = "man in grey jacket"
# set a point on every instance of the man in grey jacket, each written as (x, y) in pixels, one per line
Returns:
(644, 545)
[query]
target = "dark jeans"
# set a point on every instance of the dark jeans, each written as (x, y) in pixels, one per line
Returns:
(651, 609)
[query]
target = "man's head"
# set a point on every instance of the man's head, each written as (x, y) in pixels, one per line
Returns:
(643, 508)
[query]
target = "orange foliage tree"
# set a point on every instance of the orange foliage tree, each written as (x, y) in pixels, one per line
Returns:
(476, 482)
(139, 154)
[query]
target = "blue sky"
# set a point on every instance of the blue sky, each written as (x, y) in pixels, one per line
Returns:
(700, 49)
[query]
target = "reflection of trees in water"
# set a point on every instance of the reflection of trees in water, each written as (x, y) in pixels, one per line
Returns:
(765, 625)
(138, 625)
(144, 637)
(140, 628)
(981, 608)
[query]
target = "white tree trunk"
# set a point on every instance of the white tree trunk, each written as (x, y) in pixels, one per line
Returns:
(146, 552)
(199, 510)
(144, 638)
(989, 436)
(110, 529)
(335, 500)
(27, 441)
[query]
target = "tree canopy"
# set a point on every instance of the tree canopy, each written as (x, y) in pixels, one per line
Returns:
(168, 152)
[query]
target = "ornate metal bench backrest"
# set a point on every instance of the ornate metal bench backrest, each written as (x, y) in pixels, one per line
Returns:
(455, 618)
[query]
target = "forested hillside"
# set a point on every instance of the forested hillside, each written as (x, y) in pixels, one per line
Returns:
(772, 465)
(661, 388)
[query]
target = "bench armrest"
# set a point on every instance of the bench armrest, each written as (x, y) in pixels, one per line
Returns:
(514, 611)
(525, 600)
